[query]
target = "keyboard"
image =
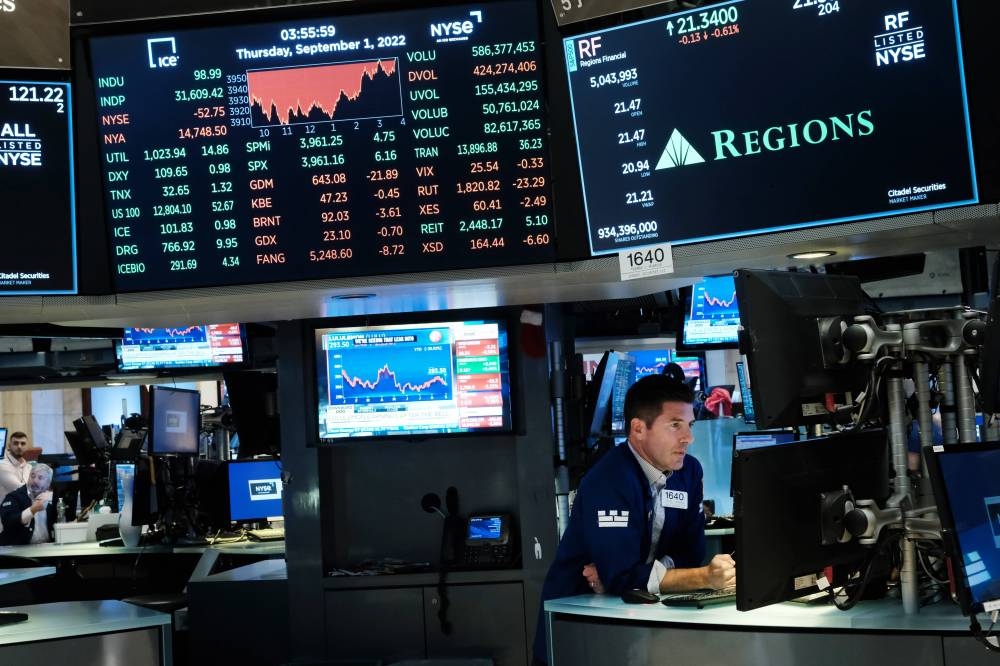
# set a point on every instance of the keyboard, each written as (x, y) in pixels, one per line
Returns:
(699, 598)
(267, 534)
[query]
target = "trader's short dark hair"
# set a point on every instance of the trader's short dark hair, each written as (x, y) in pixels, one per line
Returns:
(18, 435)
(644, 399)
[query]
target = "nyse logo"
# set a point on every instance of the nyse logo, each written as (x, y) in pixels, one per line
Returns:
(900, 42)
(7, 6)
(264, 489)
(456, 31)
(162, 52)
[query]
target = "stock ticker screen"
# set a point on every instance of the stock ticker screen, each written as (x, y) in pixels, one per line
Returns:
(756, 116)
(36, 186)
(319, 148)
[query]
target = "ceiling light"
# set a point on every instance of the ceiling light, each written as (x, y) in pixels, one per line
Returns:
(118, 383)
(352, 297)
(817, 254)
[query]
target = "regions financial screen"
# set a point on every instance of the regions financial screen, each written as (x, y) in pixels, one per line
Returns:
(755, 116)
(320, 148)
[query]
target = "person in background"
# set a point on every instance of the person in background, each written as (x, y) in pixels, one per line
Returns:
(28, 512)
(649, 490)
(14, 468)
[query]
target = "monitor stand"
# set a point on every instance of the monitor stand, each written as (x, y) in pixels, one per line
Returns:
(12, 617)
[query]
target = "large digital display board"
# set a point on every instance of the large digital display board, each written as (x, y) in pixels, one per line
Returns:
(755, 116)
(327, 147)
(38, 255)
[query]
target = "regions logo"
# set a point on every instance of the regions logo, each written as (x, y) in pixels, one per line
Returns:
(679, 152)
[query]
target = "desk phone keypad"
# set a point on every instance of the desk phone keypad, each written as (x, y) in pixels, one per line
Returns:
(487, 555)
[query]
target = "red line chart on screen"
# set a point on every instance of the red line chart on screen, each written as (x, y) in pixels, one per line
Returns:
(329, 92)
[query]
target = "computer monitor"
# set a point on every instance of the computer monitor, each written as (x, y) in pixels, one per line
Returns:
(964, 479)
(711, 315)
(791, 336)
(605, 409)
(127, 444)
(255, 489)
(3, 442)
(253, 397)
(650, 361)
(176, 421)
(414, 379)
(777, 507)
(749, 417)
(693, 367)
(87, 442)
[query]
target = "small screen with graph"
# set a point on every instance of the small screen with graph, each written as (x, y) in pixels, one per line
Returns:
(713, 316)
(412, 380)
(181, 347)
(324, 147)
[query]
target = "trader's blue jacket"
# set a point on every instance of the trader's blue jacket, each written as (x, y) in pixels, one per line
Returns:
(610, 526)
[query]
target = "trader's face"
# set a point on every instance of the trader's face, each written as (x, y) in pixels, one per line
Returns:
(38, 481)
(665, 441)
(17, 446)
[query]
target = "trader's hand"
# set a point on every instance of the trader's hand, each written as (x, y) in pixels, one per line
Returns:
(594, 580)
(38, 505)
(721, 572)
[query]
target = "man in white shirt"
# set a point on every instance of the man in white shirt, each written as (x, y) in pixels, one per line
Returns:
(14, 469)
(27, 513)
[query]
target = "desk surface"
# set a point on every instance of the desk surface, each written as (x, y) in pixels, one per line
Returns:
(263, 570)
(881, 615)
(67, 619)
(9, 576)
(93, 549)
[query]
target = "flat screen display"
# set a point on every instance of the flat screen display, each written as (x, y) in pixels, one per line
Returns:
(650, 361)
(743, 441)
(485, 528)
(36, 187)
(755, 116)
(691, 365)
(255, 489)
(964, 479)
(413, 379)
(176, 421)
(713, 315)
(181, 347)
(325, 147)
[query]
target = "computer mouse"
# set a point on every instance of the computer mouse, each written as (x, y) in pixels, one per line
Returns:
(638, 596)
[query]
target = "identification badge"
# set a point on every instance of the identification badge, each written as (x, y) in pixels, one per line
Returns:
(674, 499)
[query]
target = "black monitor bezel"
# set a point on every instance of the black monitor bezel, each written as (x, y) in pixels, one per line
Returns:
(151, 435)
(949, 535)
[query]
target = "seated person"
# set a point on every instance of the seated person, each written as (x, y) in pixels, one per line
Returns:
(28, 512)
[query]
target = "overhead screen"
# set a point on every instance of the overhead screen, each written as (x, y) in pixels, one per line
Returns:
(412, 380)
(181, 347)
(755, 116)
(36, 186)
(325, 147)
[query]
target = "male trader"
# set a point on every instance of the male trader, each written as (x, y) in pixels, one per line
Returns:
(14, 468)
(27, 513)
(637, 519)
